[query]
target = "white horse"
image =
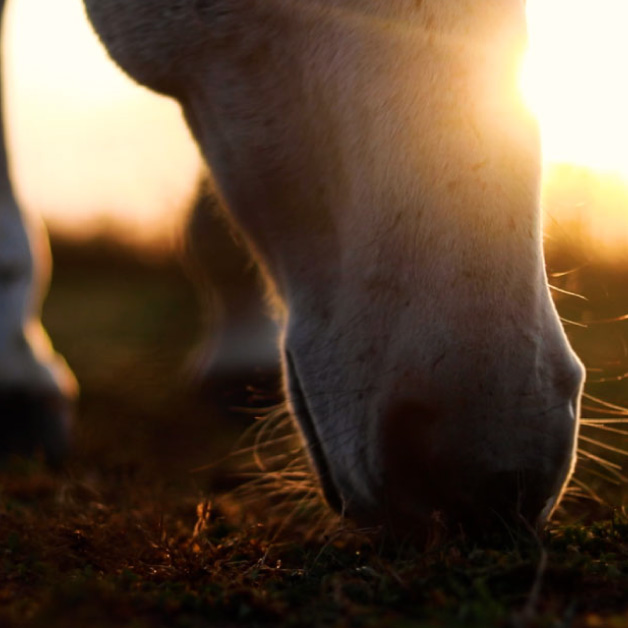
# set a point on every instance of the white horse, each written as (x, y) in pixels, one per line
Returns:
(378, 159)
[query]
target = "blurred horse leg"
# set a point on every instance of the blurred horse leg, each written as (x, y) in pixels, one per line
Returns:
(37, 388)
(239, 363)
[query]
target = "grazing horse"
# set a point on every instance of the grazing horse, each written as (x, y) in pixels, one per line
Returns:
(378, 159)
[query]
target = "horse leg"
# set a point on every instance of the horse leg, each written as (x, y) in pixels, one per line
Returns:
(241, 351)
(36, 386)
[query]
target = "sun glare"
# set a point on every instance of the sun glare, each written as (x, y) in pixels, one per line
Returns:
(575, 80)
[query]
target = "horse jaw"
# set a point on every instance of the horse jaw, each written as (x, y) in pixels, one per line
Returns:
(380, 162)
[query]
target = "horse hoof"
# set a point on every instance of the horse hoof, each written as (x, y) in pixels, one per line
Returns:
(35, 423)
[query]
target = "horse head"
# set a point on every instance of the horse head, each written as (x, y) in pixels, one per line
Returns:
(379, 160)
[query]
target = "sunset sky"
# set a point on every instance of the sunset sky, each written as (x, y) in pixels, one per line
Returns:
(91, 149)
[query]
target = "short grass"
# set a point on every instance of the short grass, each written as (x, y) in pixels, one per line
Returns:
(128, 536)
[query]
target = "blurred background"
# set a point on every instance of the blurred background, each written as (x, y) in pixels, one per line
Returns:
(95, 153)
(112, 169)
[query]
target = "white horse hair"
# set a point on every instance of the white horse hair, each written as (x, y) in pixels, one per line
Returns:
(378, 159)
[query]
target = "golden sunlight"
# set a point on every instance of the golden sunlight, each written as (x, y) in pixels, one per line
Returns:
(575, 80)
(89, 149)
